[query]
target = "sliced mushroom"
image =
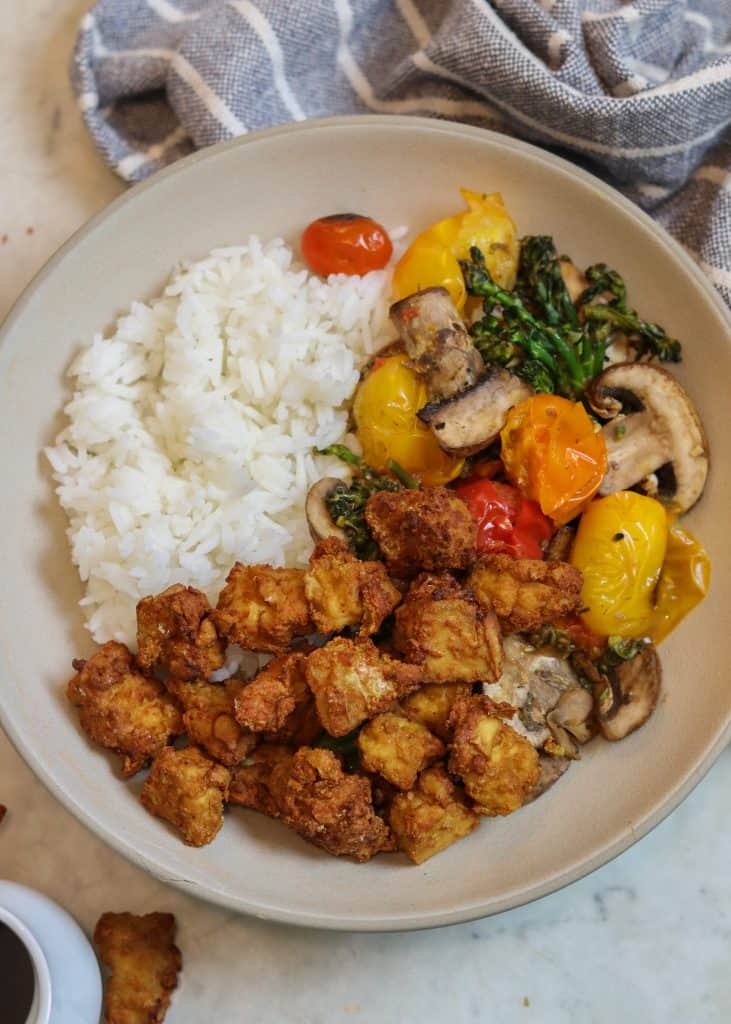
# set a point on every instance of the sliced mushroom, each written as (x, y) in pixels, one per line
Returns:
(626, 697)
(532, 681)
(473, 419)
(653, 429)
(437, 342)
(316, 511)
(571, 721)
(559, 546)
(551, 769)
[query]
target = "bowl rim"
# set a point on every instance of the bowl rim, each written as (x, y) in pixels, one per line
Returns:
(422, 920)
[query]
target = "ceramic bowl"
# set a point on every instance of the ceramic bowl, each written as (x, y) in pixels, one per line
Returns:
(401, 171)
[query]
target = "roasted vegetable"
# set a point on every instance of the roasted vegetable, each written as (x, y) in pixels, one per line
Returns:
(604, 320)
(538, 333)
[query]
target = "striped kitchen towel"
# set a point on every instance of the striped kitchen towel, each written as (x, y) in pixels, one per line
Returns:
(639, 92)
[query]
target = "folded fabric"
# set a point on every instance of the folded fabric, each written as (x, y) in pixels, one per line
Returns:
(639, 92)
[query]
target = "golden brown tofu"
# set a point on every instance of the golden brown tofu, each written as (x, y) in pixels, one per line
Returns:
(327, 807)
(175, 633)
(397, 749)
(121, 709)
(250, 780)
(526, 593)
(432, 705)
(278, 702)
(343, 591)
(352, 680)
(429, 529)
(431, 816)
(499, 767)
(187, 789)
(143, 963)
(209, 719)
(440, 627)
(262, 608)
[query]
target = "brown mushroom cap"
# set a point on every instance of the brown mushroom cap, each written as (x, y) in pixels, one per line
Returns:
(572, 720)
(551, 769)
(316, 511)
(628, 694)
(473, 419)
(653, 429)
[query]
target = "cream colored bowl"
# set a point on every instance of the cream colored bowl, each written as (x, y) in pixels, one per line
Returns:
(401, 171)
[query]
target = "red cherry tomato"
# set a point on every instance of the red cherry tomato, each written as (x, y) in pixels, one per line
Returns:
(506, 521)
(345, 243)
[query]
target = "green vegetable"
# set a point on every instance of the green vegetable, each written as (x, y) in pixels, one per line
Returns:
(538, 334)
(550, 636)
(604, 321)
(346, 503)
(409, 481)
(553, 359)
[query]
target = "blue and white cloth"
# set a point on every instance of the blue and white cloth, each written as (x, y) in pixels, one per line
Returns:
(638, 92)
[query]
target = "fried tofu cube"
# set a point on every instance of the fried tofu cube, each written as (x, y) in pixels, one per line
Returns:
(431, 816)
(143, 961)
(397, 749)
(431, 706)
(498, 766)
(250, 781)
(122, 709)
(440, 627)
(526, 593)
(175, 633)
(428, 529)
(343, 591)
(328, 808)
(262, 608)
(278, 702)
(210, 722)
(352, 680)
(187, 789)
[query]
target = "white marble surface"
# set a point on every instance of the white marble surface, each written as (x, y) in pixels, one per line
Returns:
(644, 939)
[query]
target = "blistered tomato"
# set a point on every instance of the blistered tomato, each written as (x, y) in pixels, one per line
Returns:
(433, 257)
(553, 454)
(684, 581)
(506, 521)
(345, 243)
(385, 408)
(620, 549)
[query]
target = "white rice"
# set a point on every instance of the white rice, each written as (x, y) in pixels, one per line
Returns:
(191, 428)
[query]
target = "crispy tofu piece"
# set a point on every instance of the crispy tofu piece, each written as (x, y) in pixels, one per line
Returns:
(428, 529)
(143, 961)
(432, 705)
(526, 593)
(121, 709)
(250, 781)
(498, 766)
(209, 719)
(327, 807)
(352, 680)
(278, 702)
(397, 749)
(262, 608)
(431, 816)
(175, 633)
(187, 789)
(343, 591)
(440, 627)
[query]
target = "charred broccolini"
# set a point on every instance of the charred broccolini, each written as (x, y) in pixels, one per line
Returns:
(536, 331)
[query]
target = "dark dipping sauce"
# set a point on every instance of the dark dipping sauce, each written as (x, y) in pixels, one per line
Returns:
(17, 981)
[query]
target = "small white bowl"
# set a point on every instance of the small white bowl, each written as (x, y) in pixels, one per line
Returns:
(68, 988)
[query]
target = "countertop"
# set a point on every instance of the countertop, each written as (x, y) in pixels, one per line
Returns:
(645, 938)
